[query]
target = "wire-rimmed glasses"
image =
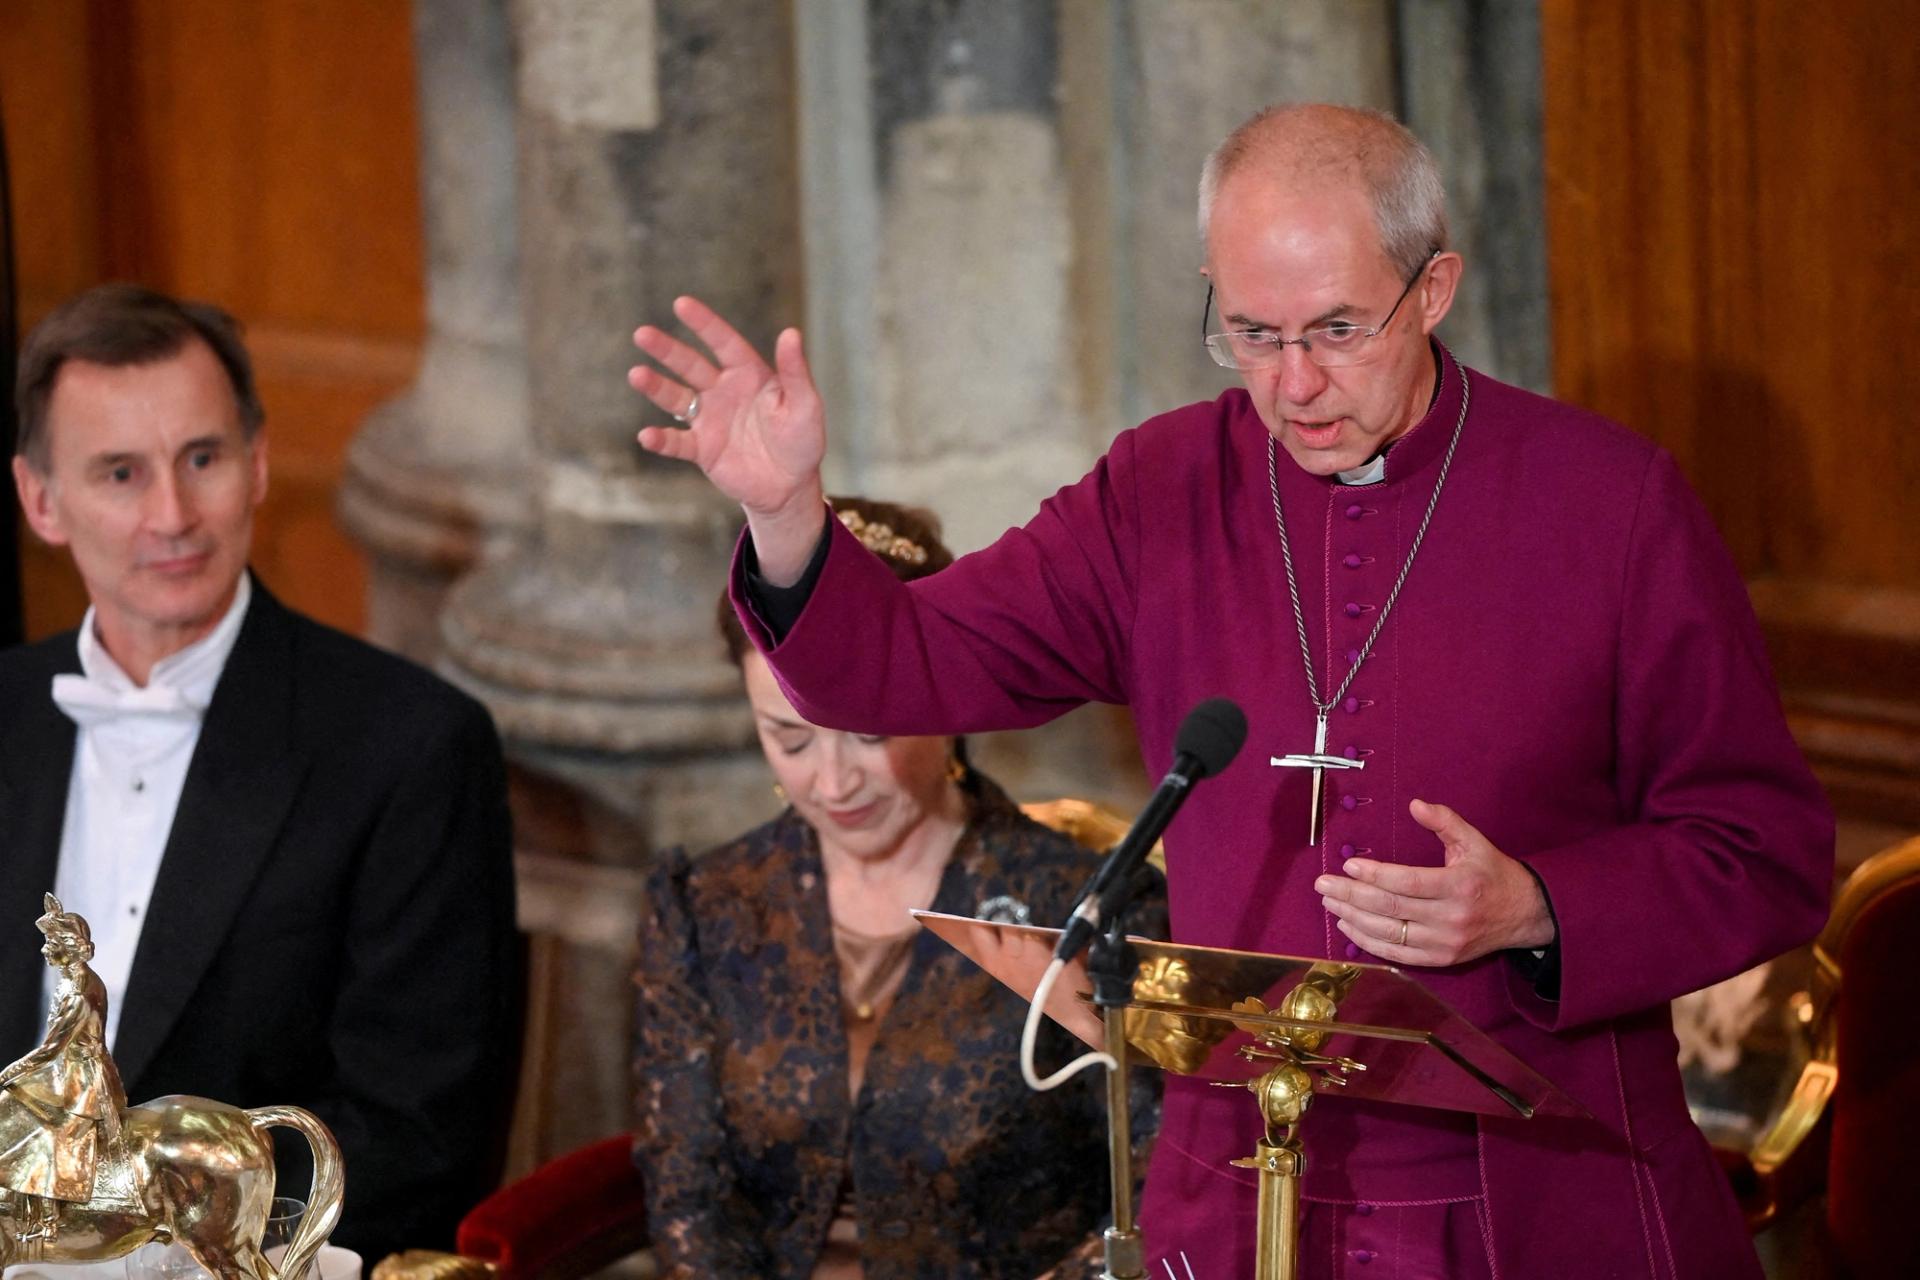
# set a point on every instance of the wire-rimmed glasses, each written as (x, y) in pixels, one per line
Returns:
(1333, 345)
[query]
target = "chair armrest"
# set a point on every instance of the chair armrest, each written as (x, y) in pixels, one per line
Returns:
(1779, 1145)
(572, 1215)
(1787, 1164)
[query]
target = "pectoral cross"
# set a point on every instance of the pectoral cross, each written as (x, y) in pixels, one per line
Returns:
(1319, 761)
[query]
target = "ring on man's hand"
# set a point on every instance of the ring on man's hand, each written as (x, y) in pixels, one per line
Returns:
(1403, 932)
(693, 407)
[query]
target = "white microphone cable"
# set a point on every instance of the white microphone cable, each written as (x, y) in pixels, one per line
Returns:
(1032, 1030)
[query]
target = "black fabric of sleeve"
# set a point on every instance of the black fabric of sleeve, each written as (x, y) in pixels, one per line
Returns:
(780, 607)
(1542, 970)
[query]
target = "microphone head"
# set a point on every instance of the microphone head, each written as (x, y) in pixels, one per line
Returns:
(1211, 734)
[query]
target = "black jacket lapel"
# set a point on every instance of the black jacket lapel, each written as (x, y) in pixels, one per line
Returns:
(36, 765)
(239, 788)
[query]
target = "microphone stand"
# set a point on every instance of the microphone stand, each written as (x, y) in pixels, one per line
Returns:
(1112, 965)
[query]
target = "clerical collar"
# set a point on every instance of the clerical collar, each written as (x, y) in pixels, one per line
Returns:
(1374, 469)
(194, 671)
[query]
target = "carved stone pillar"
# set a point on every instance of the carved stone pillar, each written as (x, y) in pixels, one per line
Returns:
(939, 237)
(942, 314)
(655, 158)
(437, 478)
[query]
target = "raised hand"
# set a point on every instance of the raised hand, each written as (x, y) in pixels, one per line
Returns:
(1481, 900)
(757, 431)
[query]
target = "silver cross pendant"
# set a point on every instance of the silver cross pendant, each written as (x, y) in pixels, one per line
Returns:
(1319, 761)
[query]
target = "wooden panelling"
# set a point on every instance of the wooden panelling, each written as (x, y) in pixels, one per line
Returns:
(1730, 189)
(1649, 240)
(262, 156)
(44, 70)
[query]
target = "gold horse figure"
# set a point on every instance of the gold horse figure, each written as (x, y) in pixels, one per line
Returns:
(84, 1177)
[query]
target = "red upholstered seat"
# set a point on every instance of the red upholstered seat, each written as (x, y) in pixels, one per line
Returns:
(572, 1215)
(1852, 1126)
(1876, 1104)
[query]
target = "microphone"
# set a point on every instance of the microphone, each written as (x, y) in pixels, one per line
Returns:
(1208, 740)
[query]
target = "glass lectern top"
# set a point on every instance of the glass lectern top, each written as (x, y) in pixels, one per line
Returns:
(1366, 1031)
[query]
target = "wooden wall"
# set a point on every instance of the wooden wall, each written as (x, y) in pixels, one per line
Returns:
(1731, 188)
(257, 153)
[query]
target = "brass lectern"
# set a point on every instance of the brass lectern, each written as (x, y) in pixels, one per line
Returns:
(1284, 1027)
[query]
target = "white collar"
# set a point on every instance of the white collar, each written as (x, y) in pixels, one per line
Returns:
(1372, 471)
(192, 672)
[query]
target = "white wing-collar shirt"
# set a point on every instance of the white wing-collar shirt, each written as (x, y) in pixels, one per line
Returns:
(130, 755)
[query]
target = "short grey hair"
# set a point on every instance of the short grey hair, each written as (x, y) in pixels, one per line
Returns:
(1401, 179)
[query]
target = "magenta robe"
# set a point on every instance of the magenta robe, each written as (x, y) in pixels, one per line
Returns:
(1573, 665)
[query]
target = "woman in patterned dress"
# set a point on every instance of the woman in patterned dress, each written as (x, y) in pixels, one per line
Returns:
(825, 1090)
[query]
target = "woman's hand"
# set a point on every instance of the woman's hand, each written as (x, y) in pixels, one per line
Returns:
(758, 432)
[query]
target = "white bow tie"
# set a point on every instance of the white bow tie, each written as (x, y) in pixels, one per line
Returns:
(89, 702)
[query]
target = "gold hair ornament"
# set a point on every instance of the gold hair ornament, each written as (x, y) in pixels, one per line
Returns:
(879, 538)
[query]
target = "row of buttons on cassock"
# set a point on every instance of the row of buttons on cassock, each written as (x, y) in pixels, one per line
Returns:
(1353, 705)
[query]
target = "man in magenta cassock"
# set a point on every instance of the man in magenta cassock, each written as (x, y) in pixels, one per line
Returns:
(1577, 796)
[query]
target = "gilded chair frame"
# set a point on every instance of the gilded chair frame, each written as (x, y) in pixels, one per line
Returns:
(1784, 1144)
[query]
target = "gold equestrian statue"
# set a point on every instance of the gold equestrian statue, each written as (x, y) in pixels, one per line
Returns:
(85, 1177)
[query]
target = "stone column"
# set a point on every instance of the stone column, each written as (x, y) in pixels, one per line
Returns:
(944, 313)
(1470, 81)
(938, 233)
(656, 158)
(436, 479)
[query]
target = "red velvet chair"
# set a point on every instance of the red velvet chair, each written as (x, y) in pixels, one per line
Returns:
(1852, 1124)
(570, 1217)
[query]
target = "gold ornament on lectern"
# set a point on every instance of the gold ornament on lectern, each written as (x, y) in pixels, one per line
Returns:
(84, 1177)
(1287, 1029)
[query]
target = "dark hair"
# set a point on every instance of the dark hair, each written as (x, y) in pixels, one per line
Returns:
(119, 325)
(887, 524)
(894, 533)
